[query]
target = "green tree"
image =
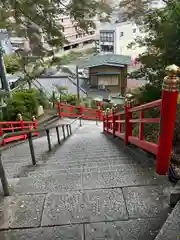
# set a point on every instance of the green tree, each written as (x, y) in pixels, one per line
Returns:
(136, 10)
(162, 43)
(39, 22)
(11, 63)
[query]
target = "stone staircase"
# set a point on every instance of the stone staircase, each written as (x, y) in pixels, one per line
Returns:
(87, 189)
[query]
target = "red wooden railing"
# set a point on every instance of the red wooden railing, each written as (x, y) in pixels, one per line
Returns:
(66, 110)
(122, 128)
(116, 125)
(12, 126)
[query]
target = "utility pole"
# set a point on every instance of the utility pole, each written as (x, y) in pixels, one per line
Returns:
(78, 88)
(4, 81)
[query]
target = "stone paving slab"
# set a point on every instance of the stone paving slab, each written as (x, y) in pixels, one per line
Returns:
(107, 186)
(45, 172)
(79, 181)
(139, 229)
(127, 177)
(16, 158)
(63, 183)
(21, 211)
(88, 206)
(147, 201)
(50, 233)
(171, 228)
(55, 166)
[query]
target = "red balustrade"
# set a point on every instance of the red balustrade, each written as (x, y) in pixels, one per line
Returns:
(12, 126)
(66, 110)
(121, 125)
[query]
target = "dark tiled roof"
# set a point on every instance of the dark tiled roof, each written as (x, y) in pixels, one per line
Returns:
(109, 59)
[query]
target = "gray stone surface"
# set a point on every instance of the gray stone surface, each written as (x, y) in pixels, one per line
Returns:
(21, 211)
(89, 181)
(139, 229)
(65, 182)
(148, 201)
(171, 228)
(127, 177)
(88, 206)
(16, 158)
(175, 194)
(53, 233)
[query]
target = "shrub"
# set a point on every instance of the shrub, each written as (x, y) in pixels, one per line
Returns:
(12, 63)
(24, 102)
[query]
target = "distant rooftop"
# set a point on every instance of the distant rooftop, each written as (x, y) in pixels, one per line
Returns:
(109, 59)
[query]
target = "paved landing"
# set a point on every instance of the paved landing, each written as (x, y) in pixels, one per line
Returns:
(88, 189)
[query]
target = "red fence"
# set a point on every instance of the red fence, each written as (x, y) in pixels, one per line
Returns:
(115, 124)
(121, 124)
(12, 126)
(65, 110)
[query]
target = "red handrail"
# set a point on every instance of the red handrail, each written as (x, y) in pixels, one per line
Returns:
(12, 126)
(122, 128)
(67, 110)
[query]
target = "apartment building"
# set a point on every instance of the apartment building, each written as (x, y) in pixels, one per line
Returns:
(75, 37)
(115, 38)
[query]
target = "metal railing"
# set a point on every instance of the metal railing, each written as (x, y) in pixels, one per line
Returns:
(66, 130)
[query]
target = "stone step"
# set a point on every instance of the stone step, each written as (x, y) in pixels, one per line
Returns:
(20, 169)
(39, 172)
(171, 228)
(64, 182)
(43, 217)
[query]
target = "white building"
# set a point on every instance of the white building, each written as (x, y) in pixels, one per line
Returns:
(115, 38)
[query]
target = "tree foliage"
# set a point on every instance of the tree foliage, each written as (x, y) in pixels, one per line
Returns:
(161, 40)
(136, 10)
(40, 23)
(11, 63)
(41, 20)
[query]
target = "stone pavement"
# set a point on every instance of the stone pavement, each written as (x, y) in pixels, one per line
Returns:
(88, 189)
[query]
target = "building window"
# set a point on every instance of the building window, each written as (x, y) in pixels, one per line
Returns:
(121, 34)
(62, 20)
(106, 37)
(76, 36)
(108, 80)
(106, 48)
(134, 30)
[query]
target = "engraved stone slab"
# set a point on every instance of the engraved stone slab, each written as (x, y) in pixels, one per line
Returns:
(89, 206)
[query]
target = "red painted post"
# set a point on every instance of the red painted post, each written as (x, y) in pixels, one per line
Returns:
(107, 119)
(128, 125)
(167, 119)
(103, 119)
(81, 110)
(21, 124)
(99, 113)
(141, 126)
(113, 122)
